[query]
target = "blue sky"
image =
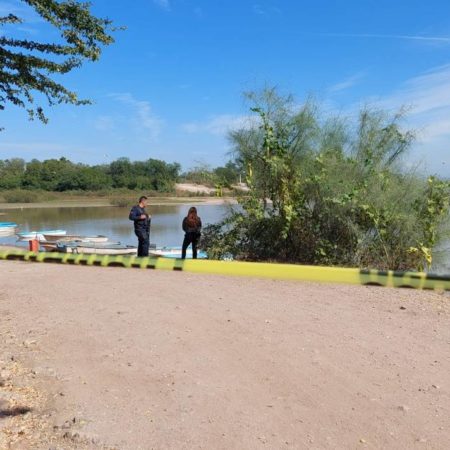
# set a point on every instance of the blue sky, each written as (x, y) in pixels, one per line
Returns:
(171, 86)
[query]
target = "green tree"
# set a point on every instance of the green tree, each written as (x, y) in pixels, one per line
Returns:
(121, 172)
(29, 66)
(324, 191)
(200, 174)
(11, 173)
(163, 175)
(32, 175)
(228, 175)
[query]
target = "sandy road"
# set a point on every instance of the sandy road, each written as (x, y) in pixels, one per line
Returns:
(131, 359)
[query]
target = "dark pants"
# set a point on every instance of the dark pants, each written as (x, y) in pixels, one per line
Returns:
(190, 238)
(143, 242)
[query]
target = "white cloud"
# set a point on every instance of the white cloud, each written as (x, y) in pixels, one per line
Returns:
(427, 98)
(260, 10)
(220, 125)
(347, 83)
(45, 150)
(104, 123)
(425, 93)
(425, 39)
(143, 117)
(164, 4)
(18, 9)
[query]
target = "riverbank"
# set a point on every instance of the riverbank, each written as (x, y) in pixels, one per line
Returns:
(185, 193)
(104, 202)
(194, 361)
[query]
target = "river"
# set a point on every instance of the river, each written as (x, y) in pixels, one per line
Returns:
(113, 222)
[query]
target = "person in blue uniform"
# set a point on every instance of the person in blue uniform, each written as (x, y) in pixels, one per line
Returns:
(191, 225)
(142, 222)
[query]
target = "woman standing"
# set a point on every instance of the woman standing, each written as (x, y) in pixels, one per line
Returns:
(192, 225)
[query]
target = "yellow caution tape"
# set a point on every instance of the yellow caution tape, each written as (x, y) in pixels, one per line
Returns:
(415, 280)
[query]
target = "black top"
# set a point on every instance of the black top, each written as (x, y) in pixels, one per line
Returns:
(188, 229)
(140, 224)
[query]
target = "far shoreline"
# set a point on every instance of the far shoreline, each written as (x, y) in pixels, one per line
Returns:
(103, 202)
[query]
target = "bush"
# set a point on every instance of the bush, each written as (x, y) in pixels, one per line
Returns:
(324, 192)
(20, 196)
(122, 201)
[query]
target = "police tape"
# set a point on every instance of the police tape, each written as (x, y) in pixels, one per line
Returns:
(414, 280)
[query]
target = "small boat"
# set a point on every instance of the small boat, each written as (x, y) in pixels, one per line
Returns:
(39, 235)
(175, 252)
(7, 229)
(73, 237)
(90, 248)
(51, 246)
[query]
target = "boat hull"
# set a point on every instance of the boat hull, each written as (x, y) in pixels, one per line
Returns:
(111, 249)
(50, 238)
(175, 252)
(39, 235)
(7, 229)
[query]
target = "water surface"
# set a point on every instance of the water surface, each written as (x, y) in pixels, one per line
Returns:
(112, 221)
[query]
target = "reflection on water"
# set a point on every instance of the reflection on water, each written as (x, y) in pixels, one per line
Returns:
(112, 221)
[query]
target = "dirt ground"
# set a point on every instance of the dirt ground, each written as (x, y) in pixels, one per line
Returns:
(128, 359)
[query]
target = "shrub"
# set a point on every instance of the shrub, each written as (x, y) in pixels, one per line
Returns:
(122, 201)
(325, 192)
(20, 196)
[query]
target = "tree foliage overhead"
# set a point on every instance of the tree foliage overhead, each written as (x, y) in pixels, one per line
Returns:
(28, 66)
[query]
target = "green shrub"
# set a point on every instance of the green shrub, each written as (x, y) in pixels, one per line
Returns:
(323, 191)
(20, 196)
(122, 201)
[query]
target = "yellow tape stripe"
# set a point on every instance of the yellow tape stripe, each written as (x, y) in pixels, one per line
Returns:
(416, 280)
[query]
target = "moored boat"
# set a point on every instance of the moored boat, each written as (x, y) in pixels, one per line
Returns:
(7, 229)
(91, 248)
(175, 252)
(39, 235)
(74, 237)
(54, 246)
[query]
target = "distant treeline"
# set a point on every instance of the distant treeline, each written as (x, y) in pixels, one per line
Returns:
(59, 175)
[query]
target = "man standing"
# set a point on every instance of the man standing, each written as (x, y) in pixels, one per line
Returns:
(141, 225)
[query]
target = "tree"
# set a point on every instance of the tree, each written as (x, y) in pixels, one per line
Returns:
(324, 191)
(11, 173)
(28, 66)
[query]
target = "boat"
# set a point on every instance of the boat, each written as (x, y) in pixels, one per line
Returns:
(39, 235)
(92, 248)
(74, 237)
(175, 252)
(7, 229)
(51, 246)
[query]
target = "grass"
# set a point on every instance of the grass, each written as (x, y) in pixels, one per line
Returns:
(11, 199)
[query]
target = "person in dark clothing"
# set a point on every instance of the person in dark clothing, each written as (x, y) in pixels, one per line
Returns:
(192, 225)
(141, 225)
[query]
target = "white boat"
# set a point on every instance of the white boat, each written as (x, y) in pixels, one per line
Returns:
(53, 246)
(91, 248)
(51, 238)
(175, 252)
(7, 229)
(39, 235)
